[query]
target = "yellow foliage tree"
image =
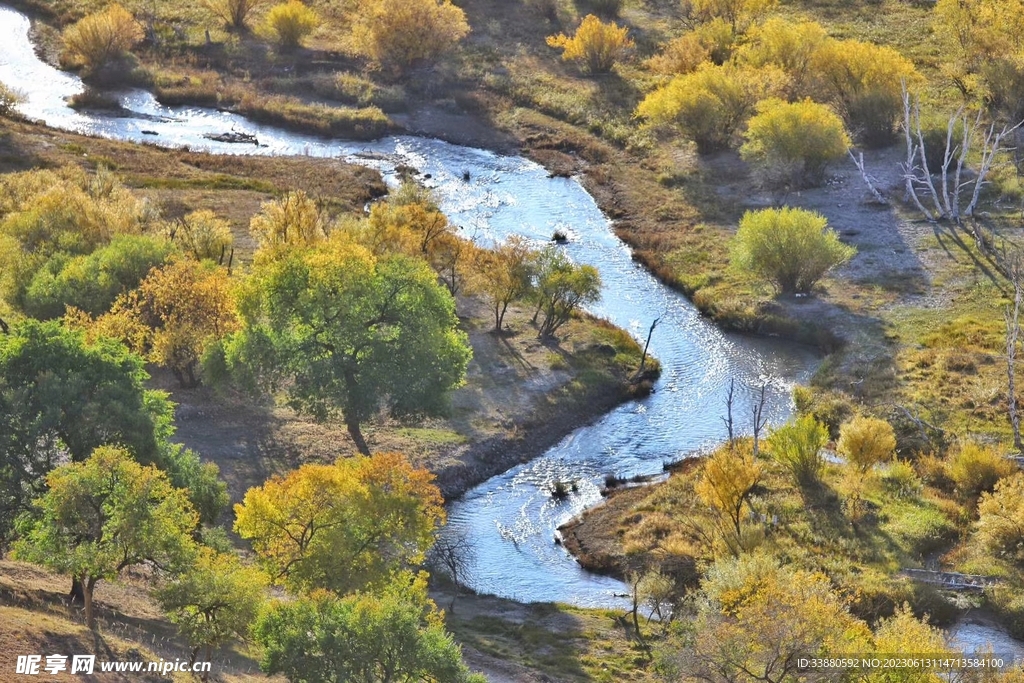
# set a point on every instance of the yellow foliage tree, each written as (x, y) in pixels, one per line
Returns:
(792, 143)
(399, 33)
(295, 220)
(344, 526)
(975, 34)
(202, 235)
(174, 315)
(102, 37)
(755, 618)
(595, 46)
(710, 104)
(727, 478)
(505, 275)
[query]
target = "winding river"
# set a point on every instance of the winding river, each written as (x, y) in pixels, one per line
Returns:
(511, 518)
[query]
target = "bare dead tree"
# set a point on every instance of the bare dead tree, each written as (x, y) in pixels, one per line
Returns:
(757, 412)
(1012, 318)
(858, 161)
(954, 175)
(728, 411)
(643, 358)
(453, 554)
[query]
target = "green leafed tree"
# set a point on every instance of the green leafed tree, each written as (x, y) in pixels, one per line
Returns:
(92, 282)
(562, 288)
(214, 600)
(790, 248)
(393, 635)
(60, 398)
(344, 331)
(104, 515)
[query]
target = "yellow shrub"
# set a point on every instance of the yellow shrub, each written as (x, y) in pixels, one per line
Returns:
(866, 442)
(203, 235)
(397, 33)
(595, 45)
(793, 143)
(102, 37)
(791, 47)
(290, 22)
(710, 104)
(975, 468)
(864, 82)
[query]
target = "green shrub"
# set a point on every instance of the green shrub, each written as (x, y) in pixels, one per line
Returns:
(797, 446)
(900, 480)
(791, 144)
(975, 469)
(291, 22)
(102, 37)
(790, 248)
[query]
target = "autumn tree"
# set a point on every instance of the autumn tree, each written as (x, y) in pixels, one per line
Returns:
(202, 235)
(104, 515)
(595, 46)
(790, 144)
(294, 220)
(91, 283)
(506, 275)
(754, 618)
(788, 247)
(100, 38)
(709, 105)
(395, 634)
(343, 331)
(9, 100)
(344, 526)
(58, 215)
(1001, 519)
(562, 288)
(979, 38)
(797, 447)
(62, 397)
(174, 315)
(214, 600)
(291, 22)
(399, 33)
(728, 477)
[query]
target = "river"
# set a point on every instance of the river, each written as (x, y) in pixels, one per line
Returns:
(511, 518)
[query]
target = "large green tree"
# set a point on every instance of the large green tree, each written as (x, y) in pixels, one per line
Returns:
(104, 515)
(214, 600)
(60, 398)
(344, 331)
(396, 635)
